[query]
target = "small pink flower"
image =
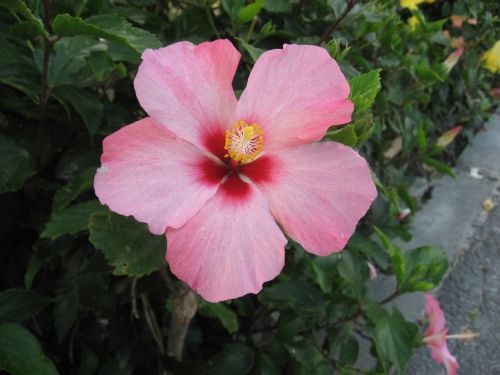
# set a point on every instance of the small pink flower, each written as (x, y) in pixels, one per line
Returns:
(452, 59)
(373, 271)
(447, 137)
(458, 20)
(215, 173)
(435, 336)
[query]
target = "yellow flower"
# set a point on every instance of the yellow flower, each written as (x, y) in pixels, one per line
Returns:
(413, 4)
(492, 58)
(413, 22)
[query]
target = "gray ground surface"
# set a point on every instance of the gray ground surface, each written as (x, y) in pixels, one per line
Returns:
(470, 298)
(454, 219)
(470, 294)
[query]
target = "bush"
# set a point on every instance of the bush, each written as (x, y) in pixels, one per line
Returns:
(89, 288)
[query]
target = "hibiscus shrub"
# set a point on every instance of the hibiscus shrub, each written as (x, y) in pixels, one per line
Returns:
(87, 291)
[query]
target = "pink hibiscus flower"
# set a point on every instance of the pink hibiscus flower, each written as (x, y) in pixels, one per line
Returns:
(435, 336)
(215, 173)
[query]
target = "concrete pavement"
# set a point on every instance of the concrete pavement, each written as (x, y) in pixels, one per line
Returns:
(456, 220)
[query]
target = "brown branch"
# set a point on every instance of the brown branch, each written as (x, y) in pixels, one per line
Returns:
(390, 297)
(185, 304)
(338, 21)
(152, 323)
(134, 313)
(168, 280)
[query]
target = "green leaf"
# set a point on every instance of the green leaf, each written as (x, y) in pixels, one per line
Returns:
(423, 269)
(89, 362)
(127, 245)
(431, 74)
(299, 295)
(80, 183)
(16, 165)
(68, 60)
(349, 350)
(355, 271)
(394, 337)
(370, 248)
(248, 12)
(234, 359)
(18, 70)
(338, 49)
(19, 7)
(324, 269)
(115, 366)
(278, 6)
(254, 52)
(421, 137)
(232, 8)
(87, 104)
(20, 304)
(101, 64)
(71, 220)
(347, 136)
(66, 313)
(111, 27)
(27, 29)
(21, 353)
(364, 89)
(35, 263)
(392, 249)
(437, 165)
(363, 126)
(221, 311)
(337, 336)
(267, 365)
(309, 356)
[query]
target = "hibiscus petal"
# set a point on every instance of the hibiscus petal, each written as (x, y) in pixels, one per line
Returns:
(317, 192)
(295, 94)
(188, 89)
(230, 247)
(149, 173)
(441, 354)
(435, 315)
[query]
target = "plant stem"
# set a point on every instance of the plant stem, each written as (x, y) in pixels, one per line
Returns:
(332, 28)
(185, 304)
(250, 30)
(210, 17)
(134, 313)
(359, 313)
(390, 297)
(168, 280)
(44, 87)
(152, 323)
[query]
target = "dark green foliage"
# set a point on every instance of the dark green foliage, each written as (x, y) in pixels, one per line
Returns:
(88, 291)
(394, 337)
(126, 244)
(20, 304)
(222, 312)
(16, 165)
(21, 353)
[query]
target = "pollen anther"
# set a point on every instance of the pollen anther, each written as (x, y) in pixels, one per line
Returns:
(244, 142)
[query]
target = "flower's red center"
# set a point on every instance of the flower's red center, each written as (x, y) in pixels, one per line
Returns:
(243, 160)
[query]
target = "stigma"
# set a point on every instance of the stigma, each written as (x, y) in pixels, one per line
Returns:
(244, 142)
